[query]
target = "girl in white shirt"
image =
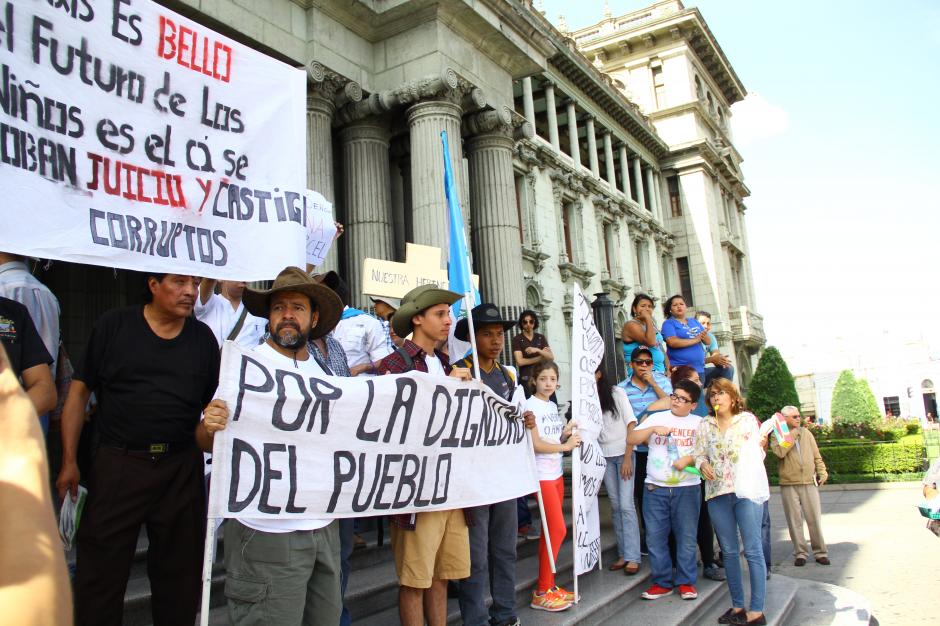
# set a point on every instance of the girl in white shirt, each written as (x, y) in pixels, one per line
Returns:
(551, 437)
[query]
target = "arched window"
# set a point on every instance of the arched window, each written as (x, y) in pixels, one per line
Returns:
(927, 384)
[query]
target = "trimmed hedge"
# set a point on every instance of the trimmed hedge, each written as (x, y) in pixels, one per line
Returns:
(871, 459)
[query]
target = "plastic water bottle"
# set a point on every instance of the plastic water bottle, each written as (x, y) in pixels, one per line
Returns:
(672, 450)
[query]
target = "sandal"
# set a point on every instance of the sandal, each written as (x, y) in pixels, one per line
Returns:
(617, 565)
(630, 569)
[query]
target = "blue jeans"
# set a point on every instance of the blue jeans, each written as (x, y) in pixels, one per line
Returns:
(711, 373)
(492, 564)
(730, 513)
(765, 532)
(623, 510)
(346, 530)
(522, 509)
(675, 509)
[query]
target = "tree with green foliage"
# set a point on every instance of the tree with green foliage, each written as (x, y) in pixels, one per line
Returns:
(852, 400)
(772, 386)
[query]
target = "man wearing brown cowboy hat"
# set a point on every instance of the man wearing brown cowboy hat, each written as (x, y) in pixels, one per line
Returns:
(430, 547)
(493, 533)
(283, 571)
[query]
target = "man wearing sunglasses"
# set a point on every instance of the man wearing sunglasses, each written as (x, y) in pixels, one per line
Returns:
(643, 388)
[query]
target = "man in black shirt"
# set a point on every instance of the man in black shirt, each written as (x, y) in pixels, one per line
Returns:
(153, 368)
(28, 356)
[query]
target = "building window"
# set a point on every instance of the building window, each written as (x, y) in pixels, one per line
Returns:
(675, 205)
(659, 87)
(685, 279)
(606, 237)
(892, 406)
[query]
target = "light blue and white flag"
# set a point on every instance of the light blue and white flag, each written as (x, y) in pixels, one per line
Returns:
(459, 276)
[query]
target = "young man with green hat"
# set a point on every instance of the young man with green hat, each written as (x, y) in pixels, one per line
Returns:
(430, 547)
(283, 571)
(493, 533)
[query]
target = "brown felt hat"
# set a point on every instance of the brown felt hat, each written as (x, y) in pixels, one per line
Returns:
(323, 299)
(417, 300)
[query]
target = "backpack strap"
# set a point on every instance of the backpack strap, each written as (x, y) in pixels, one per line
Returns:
(238, 325)
(409, 362)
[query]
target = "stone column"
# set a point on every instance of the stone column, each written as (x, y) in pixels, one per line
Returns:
(660, 201)
(575, 147)
(528, 104)
(638, 180)
(592, 148)
(320, 111)
(367, 199)
(625, 170)
(495, 226)
(654, 208)
(426, 120)
(552, 111)
(609, 162)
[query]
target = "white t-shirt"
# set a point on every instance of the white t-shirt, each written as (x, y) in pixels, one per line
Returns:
(362, 338)
(613, 436)
(550, 425)
(435, 367)
(659, 470)
(221, 318)
(310, 368)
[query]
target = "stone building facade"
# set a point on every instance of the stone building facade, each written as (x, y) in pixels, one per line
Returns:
(601, 157)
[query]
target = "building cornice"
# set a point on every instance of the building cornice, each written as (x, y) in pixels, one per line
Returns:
(664, 21)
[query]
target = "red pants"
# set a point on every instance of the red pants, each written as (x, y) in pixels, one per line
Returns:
(553, 494)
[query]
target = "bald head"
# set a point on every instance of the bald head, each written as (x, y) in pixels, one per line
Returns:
(792, 414)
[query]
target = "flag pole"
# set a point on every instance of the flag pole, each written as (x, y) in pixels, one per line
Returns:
(468, 303)
(575, 473)
(208, 557)
(545, 534)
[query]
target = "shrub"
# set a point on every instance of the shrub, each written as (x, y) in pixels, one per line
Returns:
(866, 458)
(912, 427)
(772, 386)
(852, 400)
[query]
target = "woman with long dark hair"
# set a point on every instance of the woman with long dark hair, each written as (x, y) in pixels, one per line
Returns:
(619, 422)
(641, 330)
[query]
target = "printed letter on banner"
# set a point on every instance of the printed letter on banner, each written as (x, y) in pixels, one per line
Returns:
(301, 447)
(587, 476)
(133, 137)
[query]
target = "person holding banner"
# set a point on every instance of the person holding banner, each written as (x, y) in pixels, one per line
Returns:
(551, 437)
(431, 547)
(283, 571)
(225, 313)
(619, 422)
(152, 368)
(493, 533)
(671, 496)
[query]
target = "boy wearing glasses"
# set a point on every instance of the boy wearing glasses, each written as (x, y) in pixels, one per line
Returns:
(671, 496)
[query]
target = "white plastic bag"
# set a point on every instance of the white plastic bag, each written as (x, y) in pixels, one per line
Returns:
(750, 476)
(70, 516)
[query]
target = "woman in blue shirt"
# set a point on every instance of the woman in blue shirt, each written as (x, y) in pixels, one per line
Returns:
(684, 337)
(642, 331)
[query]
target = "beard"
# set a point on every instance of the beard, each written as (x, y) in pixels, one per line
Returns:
(289, 336)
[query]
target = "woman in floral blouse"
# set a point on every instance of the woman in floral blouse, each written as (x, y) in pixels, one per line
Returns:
(721, 439)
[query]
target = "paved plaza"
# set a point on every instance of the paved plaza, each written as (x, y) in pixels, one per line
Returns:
(879, 548)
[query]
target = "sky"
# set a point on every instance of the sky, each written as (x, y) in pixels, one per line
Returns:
(839, 135)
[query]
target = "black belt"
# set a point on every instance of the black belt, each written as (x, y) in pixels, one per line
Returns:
(150, 448)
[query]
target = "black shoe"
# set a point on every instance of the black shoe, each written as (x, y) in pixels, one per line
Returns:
(732, 617)
(824, 560)
(800, 561)
(760, 620)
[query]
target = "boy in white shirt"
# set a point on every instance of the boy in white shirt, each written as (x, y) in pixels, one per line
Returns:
(671, 496)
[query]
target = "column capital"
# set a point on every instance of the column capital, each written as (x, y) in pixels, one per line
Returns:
(332, 85)
(442, 86)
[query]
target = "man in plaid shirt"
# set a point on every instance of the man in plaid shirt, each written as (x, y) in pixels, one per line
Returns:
(434, 546)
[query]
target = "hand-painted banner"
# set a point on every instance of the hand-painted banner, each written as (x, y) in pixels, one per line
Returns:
(587, 350)
(304, 447)
(133, 137)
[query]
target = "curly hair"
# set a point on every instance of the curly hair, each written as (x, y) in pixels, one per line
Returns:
(540, 367)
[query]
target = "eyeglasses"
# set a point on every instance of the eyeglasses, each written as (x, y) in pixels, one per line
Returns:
(643, 361)
(526, 322)
(680, 399)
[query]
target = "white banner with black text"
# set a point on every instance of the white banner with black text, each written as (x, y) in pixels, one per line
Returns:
(305, 447)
